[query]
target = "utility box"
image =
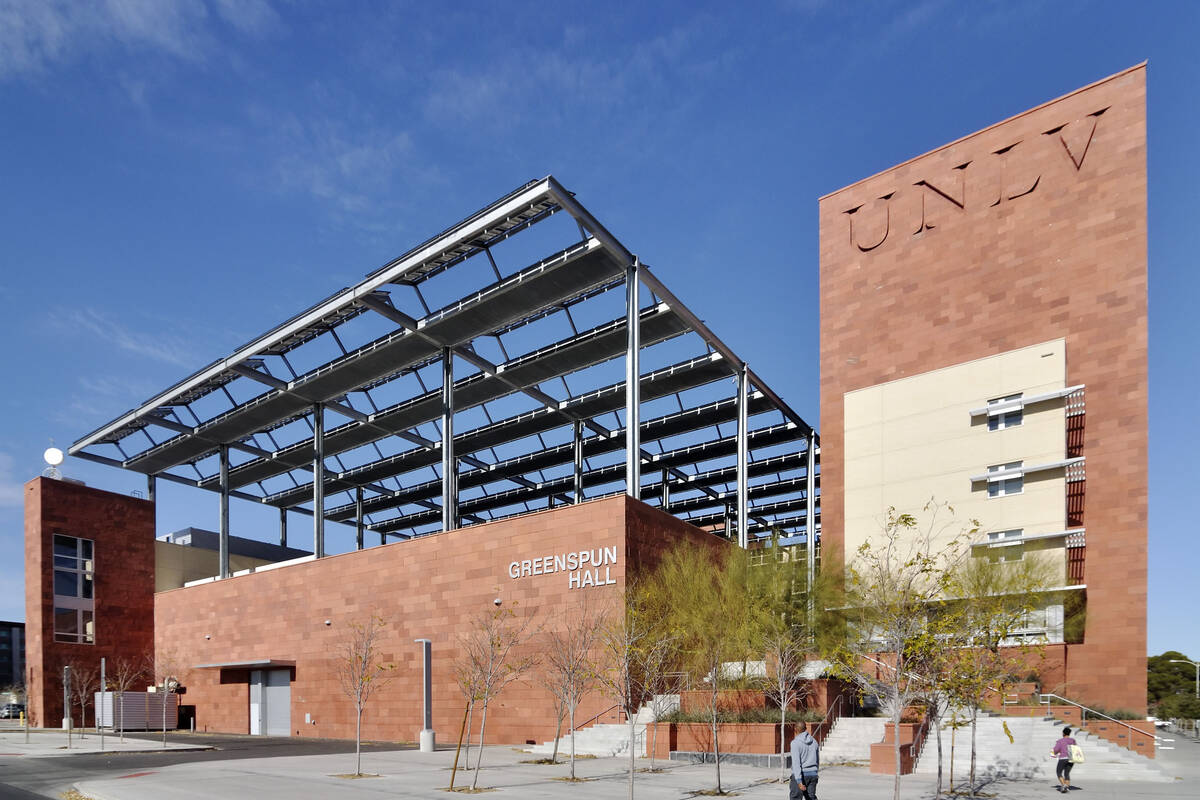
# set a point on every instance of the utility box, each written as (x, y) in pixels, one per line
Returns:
(136, 711)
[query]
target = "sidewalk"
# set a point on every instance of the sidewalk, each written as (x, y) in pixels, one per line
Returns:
(52, 743)
(408, 774)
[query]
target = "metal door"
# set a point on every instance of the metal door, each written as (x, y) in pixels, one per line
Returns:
(271, 702)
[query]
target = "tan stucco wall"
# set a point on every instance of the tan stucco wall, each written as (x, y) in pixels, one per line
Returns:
(913, 439)
(177, 564)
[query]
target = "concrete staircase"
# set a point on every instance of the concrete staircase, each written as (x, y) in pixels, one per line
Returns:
(606, 740)
(851, 739)
(1028, 754)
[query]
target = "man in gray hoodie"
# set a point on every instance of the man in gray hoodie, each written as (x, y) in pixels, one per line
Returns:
(806, 760)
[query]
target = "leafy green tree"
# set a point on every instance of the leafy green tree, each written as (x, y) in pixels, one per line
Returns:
(702, 597)
(1164, 679)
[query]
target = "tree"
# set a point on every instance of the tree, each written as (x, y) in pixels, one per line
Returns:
(168, 670)
(894, 585)
(703, 599)
(85, 678)
(660, 683)
(570, 662)
(126, 672)
(993, 603)
(492, 652)
(360, 672)
(1165, 679)
(780, 599)
(623, 639)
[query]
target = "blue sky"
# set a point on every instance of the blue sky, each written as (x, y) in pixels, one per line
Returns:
(179, 175)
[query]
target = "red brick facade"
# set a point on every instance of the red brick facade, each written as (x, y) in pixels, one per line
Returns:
(122, 529)
(430, 587)
(1029, 230)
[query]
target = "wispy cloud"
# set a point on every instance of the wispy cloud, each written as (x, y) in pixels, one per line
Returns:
(100, 325)
(36, 35)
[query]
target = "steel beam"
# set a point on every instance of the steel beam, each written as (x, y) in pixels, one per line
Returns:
(633, 384)
(390, 273)
(318, 481)
(358, 519)
(743, 431)
(449, 462)
(577, 453)
(810, 524)
(223, 520)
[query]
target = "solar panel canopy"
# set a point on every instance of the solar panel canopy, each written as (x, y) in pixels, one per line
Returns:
(521, 359)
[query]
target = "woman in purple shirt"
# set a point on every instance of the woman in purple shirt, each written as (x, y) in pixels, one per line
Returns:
(1062, 750)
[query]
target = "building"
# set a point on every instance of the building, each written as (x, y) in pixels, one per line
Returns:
(521, 438)
(517, 408)
(12, 655)
(1010, 374)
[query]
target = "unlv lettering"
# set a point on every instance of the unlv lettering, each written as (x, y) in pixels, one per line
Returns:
(875, 223)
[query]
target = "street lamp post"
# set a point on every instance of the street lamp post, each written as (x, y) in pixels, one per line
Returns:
(1197, 667)
(427, 735)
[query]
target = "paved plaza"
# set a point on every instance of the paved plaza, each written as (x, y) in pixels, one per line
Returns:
(408, 773)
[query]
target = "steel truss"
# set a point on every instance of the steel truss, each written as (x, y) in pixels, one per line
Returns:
(495, 435)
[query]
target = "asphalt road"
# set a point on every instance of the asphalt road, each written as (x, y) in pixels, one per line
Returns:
(28, 778)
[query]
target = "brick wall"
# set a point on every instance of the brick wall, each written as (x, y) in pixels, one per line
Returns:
(122, 529)
(430, 587)
(1032, 229)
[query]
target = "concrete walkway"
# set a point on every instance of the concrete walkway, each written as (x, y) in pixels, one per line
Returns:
(52, 743)
(413, 774)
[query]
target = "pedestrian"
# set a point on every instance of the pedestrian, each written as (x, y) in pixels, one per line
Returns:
(1062, 751)
(806, 760)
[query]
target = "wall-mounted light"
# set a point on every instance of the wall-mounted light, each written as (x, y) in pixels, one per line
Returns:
(328, 622)
(208, 636)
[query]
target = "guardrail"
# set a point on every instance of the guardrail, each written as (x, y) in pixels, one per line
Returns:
(1044, 699)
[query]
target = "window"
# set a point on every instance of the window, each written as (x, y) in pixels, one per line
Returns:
(1006, 486)
(1007, 552)
(74, 591)
(1007, 419)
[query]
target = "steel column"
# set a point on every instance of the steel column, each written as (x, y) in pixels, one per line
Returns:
(319, 480)
(633, 394)
(578, 457)
(810, 524)
(725, 522)
(358, 519)
(283, 527)
(151, 485)
(449, 463)
(743, 527)
(666, 489)
(223, 521)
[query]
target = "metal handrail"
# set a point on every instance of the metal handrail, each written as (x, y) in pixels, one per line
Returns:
(836, 704)
(1044, 700)
(592, 719)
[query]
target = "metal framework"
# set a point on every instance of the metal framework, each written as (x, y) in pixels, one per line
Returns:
(565, 390)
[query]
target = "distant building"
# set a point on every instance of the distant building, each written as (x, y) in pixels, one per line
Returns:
(12, 654)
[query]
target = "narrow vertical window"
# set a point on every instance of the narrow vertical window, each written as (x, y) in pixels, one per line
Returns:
(74, 590)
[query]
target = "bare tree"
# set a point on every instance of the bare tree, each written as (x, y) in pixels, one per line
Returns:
(895, 585)
(623, 640)
(168, 669)
(85, 677)
(658, 655)
(995, 600)
(786, 654)
(570, 661)
(125, 673)
(467, 677)
(360, 672)
(492, 651)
